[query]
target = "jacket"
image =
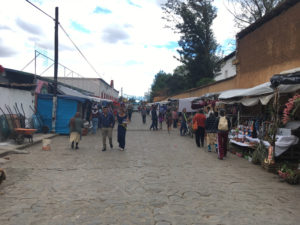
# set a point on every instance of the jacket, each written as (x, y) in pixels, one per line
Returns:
(211, 124)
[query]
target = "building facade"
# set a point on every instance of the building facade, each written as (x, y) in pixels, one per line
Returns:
(269, 46)
(228, 68)
(95, 85)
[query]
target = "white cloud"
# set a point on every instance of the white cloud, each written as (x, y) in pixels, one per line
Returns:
(115, 41)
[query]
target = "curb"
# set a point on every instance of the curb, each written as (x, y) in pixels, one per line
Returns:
(38, 140)
(17, 149)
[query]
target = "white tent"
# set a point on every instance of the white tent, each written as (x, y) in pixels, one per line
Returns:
(262, 93)
(186, 103)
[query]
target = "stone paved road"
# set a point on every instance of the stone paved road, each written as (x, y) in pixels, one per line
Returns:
(160, 179)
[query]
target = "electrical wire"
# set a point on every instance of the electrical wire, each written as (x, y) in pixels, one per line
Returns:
(40, 9)
(79, 50)
(93, 68)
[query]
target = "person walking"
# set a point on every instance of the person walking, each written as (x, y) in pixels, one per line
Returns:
(144, 114)
(224, 126)
(169, 119)
(154, 118)
(183, 126)
(95, 117)
(200, 119)
(129, 111)
(160, 118)
(211, 128)
(107, 120)
(76, 125)
(122, 126)
(175, 118)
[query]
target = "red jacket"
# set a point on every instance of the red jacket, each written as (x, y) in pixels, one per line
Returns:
(200, 118)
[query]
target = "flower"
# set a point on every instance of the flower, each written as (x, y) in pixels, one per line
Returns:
(288, 108)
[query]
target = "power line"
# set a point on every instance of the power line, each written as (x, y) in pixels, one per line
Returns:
(79, 50)
(67, 36)
(40, 10)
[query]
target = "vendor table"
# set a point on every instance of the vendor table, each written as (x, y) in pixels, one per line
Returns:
(281, 145)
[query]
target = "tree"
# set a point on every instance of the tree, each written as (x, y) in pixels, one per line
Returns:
(159, 85)
(246, 12)
(193, 19)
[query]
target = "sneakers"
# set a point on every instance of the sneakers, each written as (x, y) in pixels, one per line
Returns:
(111, 145)
(103, 149)
(72, 145)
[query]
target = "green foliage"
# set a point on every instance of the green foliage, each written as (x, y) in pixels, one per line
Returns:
(204, 81)
(193, 20)
(259, 154)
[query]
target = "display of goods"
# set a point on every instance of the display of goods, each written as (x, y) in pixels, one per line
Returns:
(239, 154)
(282, 174)
(273, 167)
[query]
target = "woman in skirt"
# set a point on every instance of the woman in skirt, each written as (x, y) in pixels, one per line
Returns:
(76, 124)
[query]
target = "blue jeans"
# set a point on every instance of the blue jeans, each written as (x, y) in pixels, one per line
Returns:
(95, 125)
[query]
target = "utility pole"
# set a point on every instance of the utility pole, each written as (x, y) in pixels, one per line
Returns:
(54, 107)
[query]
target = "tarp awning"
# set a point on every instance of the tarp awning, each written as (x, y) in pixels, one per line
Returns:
(259, 90)
(68, 91)
(50, 96)
(99, 100)
(186, 103)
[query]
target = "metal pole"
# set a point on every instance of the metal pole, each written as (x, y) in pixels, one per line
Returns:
(54, 107)
(35, 62)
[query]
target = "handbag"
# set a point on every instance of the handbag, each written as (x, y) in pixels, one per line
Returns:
(195, 125)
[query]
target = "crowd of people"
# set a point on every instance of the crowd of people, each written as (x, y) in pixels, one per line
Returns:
(105, 118)
(214, 125)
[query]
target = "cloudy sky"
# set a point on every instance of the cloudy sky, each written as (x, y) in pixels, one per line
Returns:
(124, 40)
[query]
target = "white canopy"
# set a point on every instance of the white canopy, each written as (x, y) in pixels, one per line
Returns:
(186, 103)
(97, 99)
(259, 90)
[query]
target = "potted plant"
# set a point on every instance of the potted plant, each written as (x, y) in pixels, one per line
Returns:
(282, 172)
(293, 176)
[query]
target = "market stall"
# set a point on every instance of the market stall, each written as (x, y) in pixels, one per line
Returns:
(254, 111)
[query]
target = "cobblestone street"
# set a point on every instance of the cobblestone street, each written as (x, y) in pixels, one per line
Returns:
(160, 179)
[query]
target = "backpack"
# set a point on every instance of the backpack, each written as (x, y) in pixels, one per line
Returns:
(223, 124)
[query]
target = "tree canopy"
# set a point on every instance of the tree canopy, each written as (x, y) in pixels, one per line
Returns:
(193, 19)
(246, 12)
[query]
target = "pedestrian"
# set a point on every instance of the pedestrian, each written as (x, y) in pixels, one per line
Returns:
(200, 119)
(107, 125)
(95, 117)
(122, 126)
(76, 125)
(169, 119)
(129, 111)
(160, 118)
(183, 125)
(154, 118)
(224, 126)
(175, 118)
(211, 128)
(144, 114)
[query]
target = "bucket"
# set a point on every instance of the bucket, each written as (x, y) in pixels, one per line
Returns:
(46, 144)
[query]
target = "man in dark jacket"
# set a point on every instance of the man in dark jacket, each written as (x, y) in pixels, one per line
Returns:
(211, 127)
(224, 126)
(108, 121)
(154, 118)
